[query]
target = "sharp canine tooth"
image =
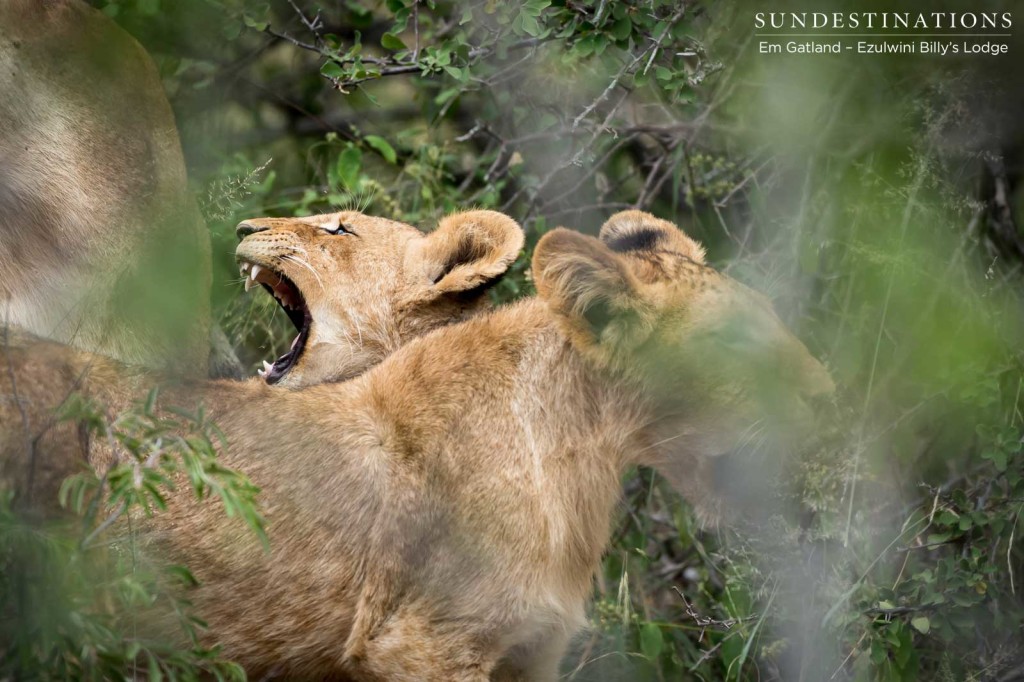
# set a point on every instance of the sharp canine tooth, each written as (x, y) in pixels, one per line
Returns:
(262, 374)
(267, 366)
(255, 271)
(248, 284)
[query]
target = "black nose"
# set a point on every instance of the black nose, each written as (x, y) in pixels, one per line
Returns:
(245, 229)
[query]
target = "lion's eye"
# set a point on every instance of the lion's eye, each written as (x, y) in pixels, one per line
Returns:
(340, 229)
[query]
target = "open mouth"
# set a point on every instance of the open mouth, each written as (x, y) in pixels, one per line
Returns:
(291, 301)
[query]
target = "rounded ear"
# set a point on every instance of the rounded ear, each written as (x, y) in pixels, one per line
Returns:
(591, 290)
(468, 251)
(638, 231)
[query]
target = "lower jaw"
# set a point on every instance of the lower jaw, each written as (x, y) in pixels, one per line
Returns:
(273, 376)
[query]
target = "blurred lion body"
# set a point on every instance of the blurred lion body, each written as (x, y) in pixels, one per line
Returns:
(101, 244)
(441, 516)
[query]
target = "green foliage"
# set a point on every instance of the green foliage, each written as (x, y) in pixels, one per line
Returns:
(75, 593)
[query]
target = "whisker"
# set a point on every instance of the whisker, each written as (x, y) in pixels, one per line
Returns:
(296, 259)
(661, 442)
(750, 433)
(370, 197)
(359, 330)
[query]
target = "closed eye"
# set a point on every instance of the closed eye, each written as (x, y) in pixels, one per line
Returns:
(338, 230)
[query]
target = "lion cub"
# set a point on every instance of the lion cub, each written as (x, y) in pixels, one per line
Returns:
(441, 516)
(357, 287)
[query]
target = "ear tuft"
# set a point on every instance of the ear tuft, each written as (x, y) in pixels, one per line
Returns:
(638, 231)
(469, 251)
(640, 240)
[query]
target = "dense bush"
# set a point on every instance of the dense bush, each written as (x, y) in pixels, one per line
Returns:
(875, 200)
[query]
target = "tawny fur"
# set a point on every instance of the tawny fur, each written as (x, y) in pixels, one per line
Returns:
(101, 244)
(441, 516)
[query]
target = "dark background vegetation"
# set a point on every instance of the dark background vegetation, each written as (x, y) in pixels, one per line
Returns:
(875, 199)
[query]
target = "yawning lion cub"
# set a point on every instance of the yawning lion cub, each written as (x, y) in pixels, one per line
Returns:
(357, 287)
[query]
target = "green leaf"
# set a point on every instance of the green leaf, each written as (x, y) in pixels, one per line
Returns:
(651, 641)
(254, 23)
(443, 57)
(392, 42)
(901, 657)
(535, 7)
(155, 673)
(593, 44)
(997, 457)
(445, 95)
(231, 31)
(530, 24)
(349, 162)
(922, 624)
(149, 7)
(622, 28)
(182, 574)
(332, 70)
(382, 146)
(150, 405)
(461, 75)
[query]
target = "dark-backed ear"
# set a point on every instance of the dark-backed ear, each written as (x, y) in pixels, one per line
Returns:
(591, 290)
(469, 251)
(638, 231)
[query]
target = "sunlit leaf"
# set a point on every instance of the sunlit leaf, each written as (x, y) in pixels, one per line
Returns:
(382, 146)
